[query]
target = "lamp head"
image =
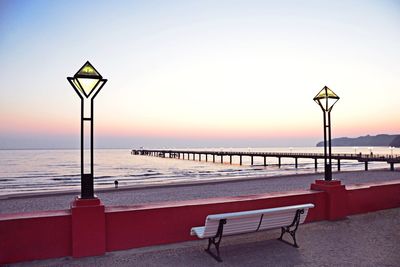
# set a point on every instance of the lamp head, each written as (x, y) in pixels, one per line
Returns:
(87, 80)
(326, 99)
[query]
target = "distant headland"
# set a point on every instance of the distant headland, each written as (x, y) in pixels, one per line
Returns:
(368, 140)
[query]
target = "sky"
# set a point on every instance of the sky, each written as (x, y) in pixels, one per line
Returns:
(198, 73)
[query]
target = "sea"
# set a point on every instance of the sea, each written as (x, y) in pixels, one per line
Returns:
(38, 171)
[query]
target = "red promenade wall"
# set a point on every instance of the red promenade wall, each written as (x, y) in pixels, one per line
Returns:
(40, 235)
(30, 236)
(372, 197)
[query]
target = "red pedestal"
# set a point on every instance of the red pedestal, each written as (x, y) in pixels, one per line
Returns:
(88, 227)
(337, 198)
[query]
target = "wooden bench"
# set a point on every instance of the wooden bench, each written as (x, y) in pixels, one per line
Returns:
(216, 226)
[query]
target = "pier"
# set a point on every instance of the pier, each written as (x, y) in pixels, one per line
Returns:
(220, 156)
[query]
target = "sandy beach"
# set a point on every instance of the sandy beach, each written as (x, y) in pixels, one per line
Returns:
(134, 196)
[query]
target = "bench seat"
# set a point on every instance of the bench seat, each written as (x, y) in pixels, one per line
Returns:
(224, 224)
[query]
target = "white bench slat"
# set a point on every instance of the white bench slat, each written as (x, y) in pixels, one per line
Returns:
(199, 231)
(242, 225)
(231, 215)
(279, 221)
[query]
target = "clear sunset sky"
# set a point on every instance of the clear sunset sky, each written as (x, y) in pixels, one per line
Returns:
(198, 73)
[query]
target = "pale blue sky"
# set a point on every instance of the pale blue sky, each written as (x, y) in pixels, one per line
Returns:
(201, 73)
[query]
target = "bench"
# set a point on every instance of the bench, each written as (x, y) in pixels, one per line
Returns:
(216, 226)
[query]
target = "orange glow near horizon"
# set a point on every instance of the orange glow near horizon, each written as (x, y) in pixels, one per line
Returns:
(35, 125)
(69, 126)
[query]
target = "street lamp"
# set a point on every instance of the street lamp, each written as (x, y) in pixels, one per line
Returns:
(87, 83)
(326, 99)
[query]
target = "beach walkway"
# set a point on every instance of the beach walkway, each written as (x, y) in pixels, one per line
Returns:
(136, 196)
(370, 239)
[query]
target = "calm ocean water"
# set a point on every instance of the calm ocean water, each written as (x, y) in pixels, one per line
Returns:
(48, 170)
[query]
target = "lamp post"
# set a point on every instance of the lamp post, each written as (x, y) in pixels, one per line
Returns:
(87, 83)
(326, 99)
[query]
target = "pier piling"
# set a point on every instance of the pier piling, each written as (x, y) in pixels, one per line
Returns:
(391, 166)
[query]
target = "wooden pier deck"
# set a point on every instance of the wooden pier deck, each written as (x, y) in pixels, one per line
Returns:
(191, 154)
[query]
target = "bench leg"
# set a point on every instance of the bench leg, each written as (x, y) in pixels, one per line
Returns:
(294, 224)
(292, 233)
(216, 241)
(216, 244)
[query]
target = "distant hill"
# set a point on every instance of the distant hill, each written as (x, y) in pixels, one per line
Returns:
(368, 140)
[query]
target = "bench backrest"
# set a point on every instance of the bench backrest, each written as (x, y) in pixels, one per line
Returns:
(255, 220)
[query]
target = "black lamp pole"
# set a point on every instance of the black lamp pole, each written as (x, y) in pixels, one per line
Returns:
(87, 83)
(326, 99)
(327, 145)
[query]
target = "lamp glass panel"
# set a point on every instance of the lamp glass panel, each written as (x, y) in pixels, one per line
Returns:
(330, 93)
(320, 95)
(88, 70)
(100, 83)
(330, 102)
(326, 92)
(77, 85)
(88, 84)
(321, 103)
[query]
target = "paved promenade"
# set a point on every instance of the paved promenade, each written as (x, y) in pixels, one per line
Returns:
(370, 239)
(121, 196)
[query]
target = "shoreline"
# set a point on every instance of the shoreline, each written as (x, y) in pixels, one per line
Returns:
(53, 175)
(173, 193)
(175, 184)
